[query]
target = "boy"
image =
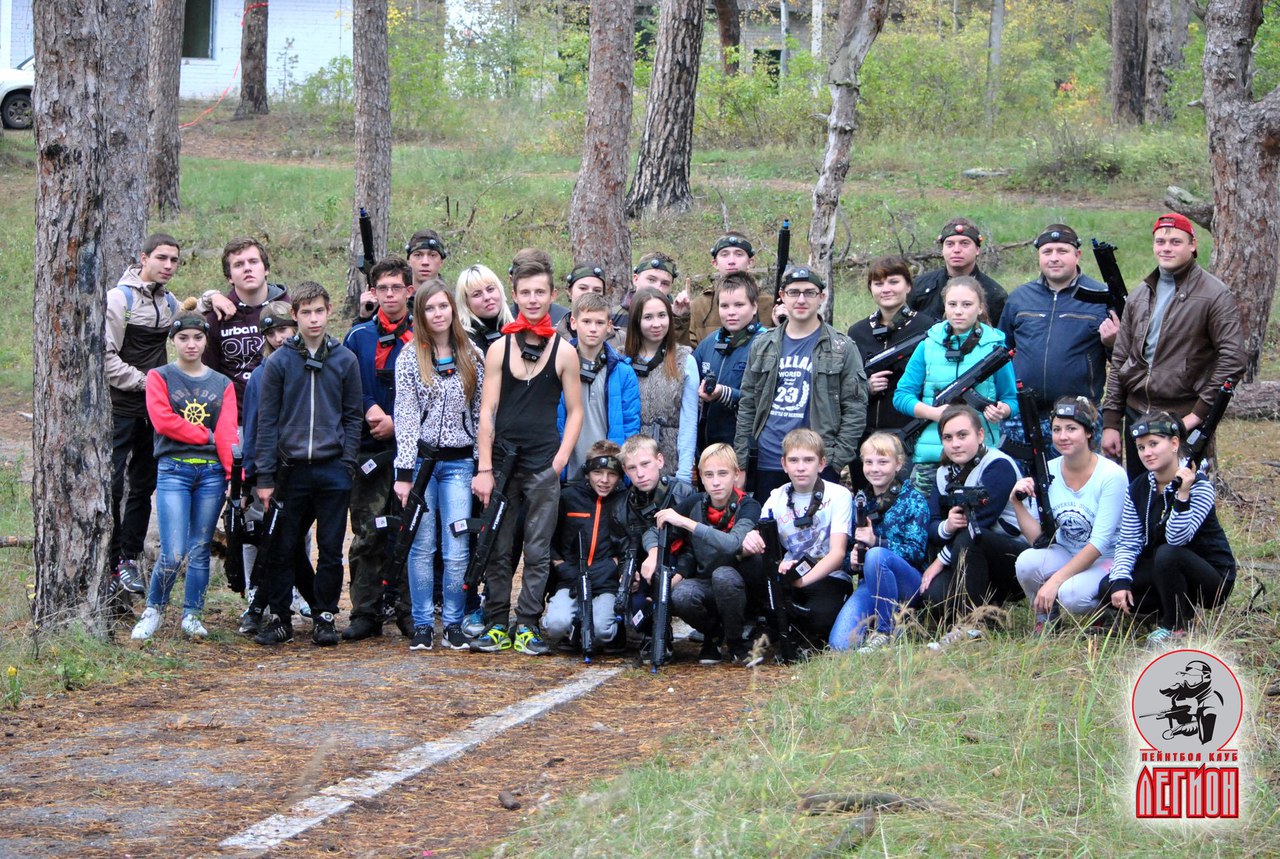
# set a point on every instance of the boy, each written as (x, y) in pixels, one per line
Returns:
(588, 277)
(722, 357)
(309, 419)
(588, 532)
(709, 590)
(526, 374)
(610, 390)
(376, 345)
(426, 253)
(731, 252)
(813, 518)
(803, 373)
(657, 271)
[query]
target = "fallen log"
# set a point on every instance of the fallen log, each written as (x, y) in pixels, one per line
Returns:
(1256, 401)
(17, 542)
(846, 842)
(838, 803)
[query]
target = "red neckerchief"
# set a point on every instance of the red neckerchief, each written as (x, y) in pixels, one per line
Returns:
(715, 516)
(542, 328)
(402, 331)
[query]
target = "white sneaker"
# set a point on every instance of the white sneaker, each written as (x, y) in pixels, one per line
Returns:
(875, 641)
(147, 626)
(299, 605)
(192, 626)
(956, 636)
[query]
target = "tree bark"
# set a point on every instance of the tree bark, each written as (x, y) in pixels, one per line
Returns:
(1128, 60)
(253, 61)
(1244, 156)
(995, 39)
(666, 148)
(1165, 40)
(164, 137)
(858, 23)
(729, 22)
(597, 219)
(91, 63)
(373, 133)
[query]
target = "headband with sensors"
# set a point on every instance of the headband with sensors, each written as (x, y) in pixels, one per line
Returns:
(602, 463)
(188, 323)
(268, 323)
(954, 229)
(1158, 426)
(1057, 234)
(732, 242)
(590, 270)
(659, 264)
(426, 245)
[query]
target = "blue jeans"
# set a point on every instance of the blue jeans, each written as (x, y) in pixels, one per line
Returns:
(448, 498)
(188, 500)
(888, 580)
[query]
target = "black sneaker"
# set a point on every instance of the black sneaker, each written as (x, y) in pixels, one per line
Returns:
(742, 654)
(274, 631)
(423, 638)
(407, 627)
(251, 621)
(323, 633)
(360, 628)
(453, 638)
(130, 576)
(710, 652)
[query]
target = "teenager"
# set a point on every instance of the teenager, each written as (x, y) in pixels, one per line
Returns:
(482, 306)
(587, 533)
(709, 589)
(803, 373)
(193, 411)
(1171, 554)
(961, 242)
(668, 380)
(139, 312)
(438, 383)
(951, 348)
(1086, 494)
(309, 420)
(655, 270)
(888, 550)
(583, 279)
(528, 371)
(732, 252)
(980, 543)
(426, 253)
(610, 390)
(813, 516)
(721, 357)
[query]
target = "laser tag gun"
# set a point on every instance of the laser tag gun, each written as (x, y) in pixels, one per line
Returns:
(628, 574)
(860, 520)
(404, 529)
(486, 526)
(661, 601)
(970, 499)
(962, 390)
(777, 591)
(268, 535)
(367, 256)
(233, 524)
(1029, 410)
(784, 256)
(1117, 294)
(895, 357)
(585, 616)
(709, 380)
(1198, 439)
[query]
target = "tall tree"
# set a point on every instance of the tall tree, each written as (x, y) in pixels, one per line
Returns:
(729, 23)
(90, 214)
(858, 23)
(1244, 155)
(661, 183)
(373, 132)
(253, 61)
(1128, 60)
(597, 221)
(995, 40)
(1166, 37)
(164, 138)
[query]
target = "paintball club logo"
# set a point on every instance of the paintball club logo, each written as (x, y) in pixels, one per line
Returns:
(1187, 705)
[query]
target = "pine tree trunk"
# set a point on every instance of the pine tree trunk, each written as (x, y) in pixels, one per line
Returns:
(729, 23)
(91, 64)
(1128, 60)
(1244, 156)
(165, 139)
(858, 24)
(1164, 55)
(995, 40)
(373, 133)
(253, 61)
(597, 223)
(666, 147)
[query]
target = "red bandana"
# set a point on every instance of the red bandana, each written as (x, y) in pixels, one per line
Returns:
(402, 331)
(714, 516)
(542, 328)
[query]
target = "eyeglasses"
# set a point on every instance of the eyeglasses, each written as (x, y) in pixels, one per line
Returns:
(806, 294)
(389, 289)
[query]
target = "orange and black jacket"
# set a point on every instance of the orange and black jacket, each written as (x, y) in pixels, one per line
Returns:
(597, 522)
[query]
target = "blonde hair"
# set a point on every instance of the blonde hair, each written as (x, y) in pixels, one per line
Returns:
(804, 438)
(277, 309)
(470, 278)
(637, 443)
(884, 444)
(720, 451)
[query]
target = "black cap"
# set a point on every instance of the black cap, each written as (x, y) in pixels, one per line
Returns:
(804, 273)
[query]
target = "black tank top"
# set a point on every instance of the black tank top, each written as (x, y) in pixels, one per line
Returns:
(526, 416)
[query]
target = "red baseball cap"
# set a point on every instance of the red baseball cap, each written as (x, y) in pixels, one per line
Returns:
(1176, 221)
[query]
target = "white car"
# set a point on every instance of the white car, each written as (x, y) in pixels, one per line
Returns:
(15, 94)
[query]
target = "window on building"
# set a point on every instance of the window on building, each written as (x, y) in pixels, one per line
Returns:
(197, 30)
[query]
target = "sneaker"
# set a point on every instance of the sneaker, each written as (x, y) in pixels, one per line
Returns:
(453, 638)
(130, 576)
(875, 641)
(1165, 639)
(423, 638)
(528, 641)
(956, 636)
(299, 605)
(251, 621)
(192, 626)
(473, 624)
(710, 652)
(323, 633)
(405, 624)
(360, 628)
(740, 653)
(646, 652)
(494, 639)
(274, 631)
(148, 624)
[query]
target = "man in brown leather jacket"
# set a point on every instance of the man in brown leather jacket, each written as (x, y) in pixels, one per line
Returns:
(1179, 340)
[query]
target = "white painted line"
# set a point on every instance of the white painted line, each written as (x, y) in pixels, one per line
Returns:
(337, 798)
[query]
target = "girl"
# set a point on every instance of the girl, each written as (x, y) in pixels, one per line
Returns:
(1171, 554)
(1086, 493)
(193, 410)
(438, 402)
(951, 348)
(668, 380)
(893, 541)
(482, 305)
(979, 538)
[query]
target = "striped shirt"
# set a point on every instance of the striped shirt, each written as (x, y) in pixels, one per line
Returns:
(1184, 520)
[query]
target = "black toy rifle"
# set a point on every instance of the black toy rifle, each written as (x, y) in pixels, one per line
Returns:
(777, 590)
(963, 389)
(784, 255)
(1117, 293)
(1198, 439)
(661, 601)
(233, 524)
(860, 520)
(489, 522)
(969, 499)
(895, 357)
(1029, 410)
(585, 616)
(367, 257)
(625, 579)
(406, 529)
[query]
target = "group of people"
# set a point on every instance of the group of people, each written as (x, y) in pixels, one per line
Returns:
(730, 446)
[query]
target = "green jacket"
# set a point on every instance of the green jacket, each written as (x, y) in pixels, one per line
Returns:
(837, 402)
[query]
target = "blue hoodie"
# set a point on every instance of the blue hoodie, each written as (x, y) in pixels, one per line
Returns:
(622, 395)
